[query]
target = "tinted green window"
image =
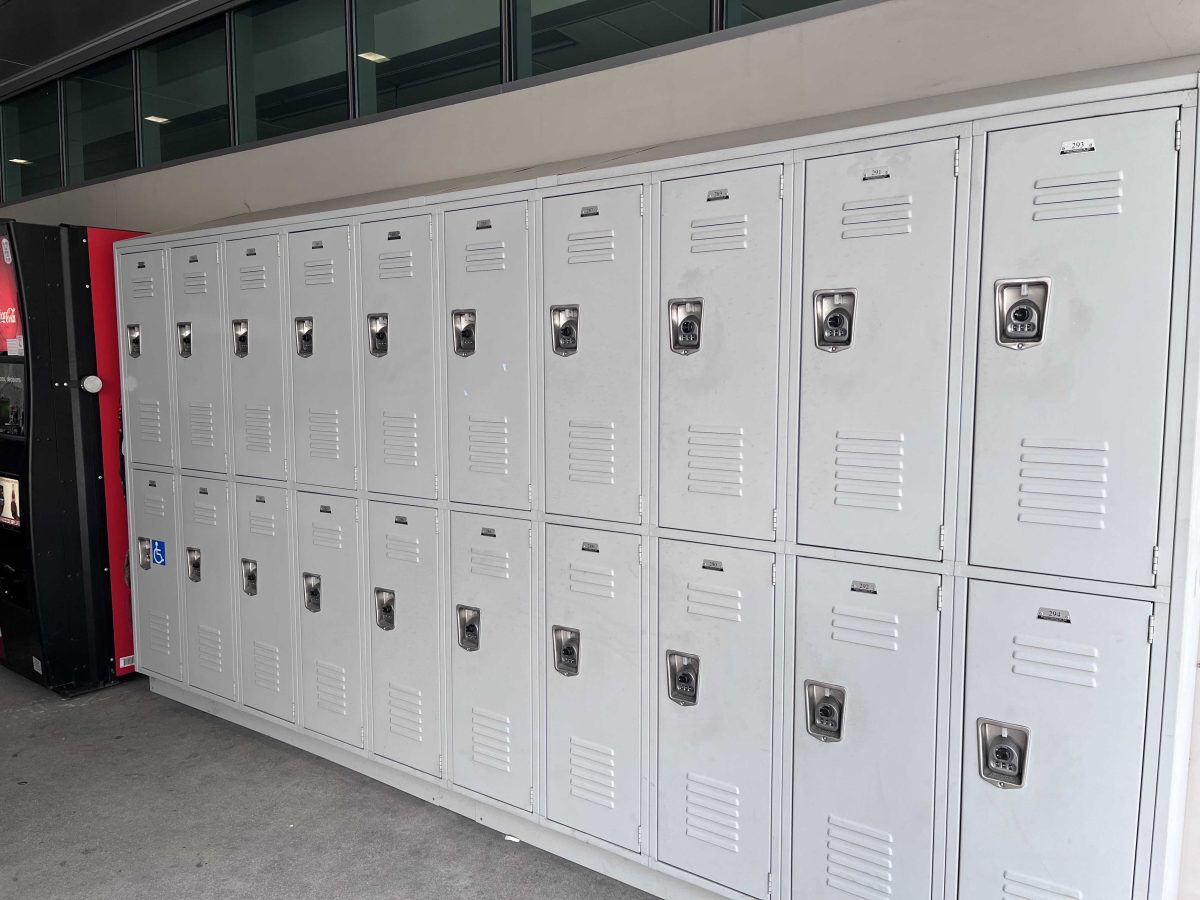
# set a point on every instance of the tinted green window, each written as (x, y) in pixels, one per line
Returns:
(742, 12)
(412, 51)
(290, 66)
(184, 93)
(98, 119)
(29, 138)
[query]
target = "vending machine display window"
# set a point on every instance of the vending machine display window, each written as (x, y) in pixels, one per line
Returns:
(12, 399)
(12, 335)
(10, 502)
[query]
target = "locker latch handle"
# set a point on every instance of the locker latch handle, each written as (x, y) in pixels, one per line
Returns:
(184, 331)
(377, 334)
(241, 337)
(683, 678)
(249, 577)
(564, 329)
(1022, 305)
(469, 625)
(193, 564)
(833, 318)
(687, 316)
(1003, 753)
(826, 706)
(312, 592)
(143, 552)
(304, 336)
(133, 336)
(463, 322)
(385, 608)
(566, 650)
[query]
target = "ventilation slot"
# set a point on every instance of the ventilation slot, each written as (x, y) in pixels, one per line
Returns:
(487, 257)
(1030, 888)
(593, 773)
(262, 524)
(329, 537)
(868, 470)
(150, 421)
(594, 581)
(318, 271)
(331, 688)
(713, 811)
(399, 439)
(143, 288)
(396, 265)
(492, 563)
(859, 860)
(866, 627)
(267, 670)
(488, 445)
(714, 601)
(252, 278)
(405, 712)
(1055, 660)
(591, 246)
(210, 648)
(200, 424)
(715, 459)
(161, 632)
(877, 218)
(491, 739)
(402, 549)
(592, 451)
(1077, 196)
(324, 434)
(720, 233)
(256, 421)
(204, 514)
(1063, 482)
(195, 283)
(154, 505)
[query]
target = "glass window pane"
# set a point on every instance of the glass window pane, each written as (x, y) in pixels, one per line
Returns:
(569, 33)
(290, 66)
(98, 118)
(185, 93)
(412, 51)
(742, 12)
(30, 137)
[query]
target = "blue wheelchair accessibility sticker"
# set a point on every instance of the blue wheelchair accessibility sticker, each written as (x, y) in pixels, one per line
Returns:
(158, 552)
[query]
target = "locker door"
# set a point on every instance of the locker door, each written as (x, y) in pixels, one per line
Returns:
(331, 679)
(207, 575)
(1068, 673)
(153, 562)
(147, 361)
(592, 322)
(255, 338)
(721, 259)
(321, 332)
(265, 601)
(1069, 412)
(197, 338)
(594, 628)
(398, 333)
(878, 253)
(403, 598)
(867, 652)
(487, 300)
(491, 671)
(716, 615)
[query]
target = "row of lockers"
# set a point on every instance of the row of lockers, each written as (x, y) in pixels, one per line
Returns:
(350, 346)
(264, 605)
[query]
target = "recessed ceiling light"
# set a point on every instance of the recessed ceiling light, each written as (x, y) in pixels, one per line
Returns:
(21, 162)
(158, 120)
(372, 56)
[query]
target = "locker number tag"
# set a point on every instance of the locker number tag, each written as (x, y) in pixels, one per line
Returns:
(1086, 145)
(158, 553)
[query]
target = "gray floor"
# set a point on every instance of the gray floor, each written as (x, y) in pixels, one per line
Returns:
(124, 794)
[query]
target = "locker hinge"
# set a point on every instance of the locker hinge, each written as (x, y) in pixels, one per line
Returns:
(1150, 631)
(774, 572)
(431, 228)
(955, 162)
(641, 555)
(641, 508)
(347, 237)
(780, 185)
(437, 524)
(531, 797)
(437, 484)
(530, 534)
(1178, 133)
(939, 598)
(770, 884)
(775, 519)
(941, 537)
(527, 228)
(441, 764)
(529, 492)
(1154, 562)
(362, 736)
(641, 212)
(641, 839)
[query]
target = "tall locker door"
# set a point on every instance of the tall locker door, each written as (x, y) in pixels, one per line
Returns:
(487, 300)
(398, 332)
(403, 598)
(148, 398)
(865, 731)
(491, 670)
(207, 579)
(154, 562)
(875, 345)
(331, 675)
(198, 338)
(1054, 724)
(255, 338)
(1070, 395)
(592, 322)
(321, 330)
(719, 370)
(716, 615)
(594, 622)
(266, 609)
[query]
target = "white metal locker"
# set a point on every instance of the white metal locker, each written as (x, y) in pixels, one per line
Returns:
(403, 602)
(593, 682)
(265, 596)
(875, 310)
(491, 654)
(207, 579)
(1070, 393)
(716, 625)
(154, 560)
(330, 604)
(255, 338)
(719, 371)
(324, 412)
(1067, 674)
(198, 337)
(592, 322)
(148, 400)
(398, 362)
(865, 730)
(487, 300)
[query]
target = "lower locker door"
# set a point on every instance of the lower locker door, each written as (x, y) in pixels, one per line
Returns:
(206, 579)
(403, 602)
(154, 558)
(266, 612)
(1054, 725)
(593, 680)
(331, 675)
(491, 652)
(865, 731)
(716, 614)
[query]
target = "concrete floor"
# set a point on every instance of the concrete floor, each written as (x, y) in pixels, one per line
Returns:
(124, 794)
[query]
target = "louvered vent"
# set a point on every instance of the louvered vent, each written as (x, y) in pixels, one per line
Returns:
(1076, 196)
(878, 217)
(591, 246)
